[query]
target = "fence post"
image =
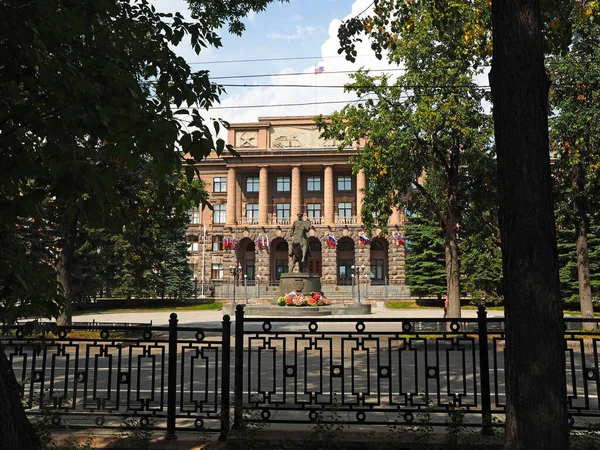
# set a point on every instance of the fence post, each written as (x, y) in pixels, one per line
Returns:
(238, 394)
(172, 379)
(484, 369)
(225, 377)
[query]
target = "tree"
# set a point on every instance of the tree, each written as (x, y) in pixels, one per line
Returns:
(422, 130)
(425, 264)
(575, 136)
(536, 402)
(86, 89)
(535, 364)
(569, 273)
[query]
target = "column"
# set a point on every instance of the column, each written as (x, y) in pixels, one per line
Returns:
(296, 206)
(361, 183)
(395, 218)
(231, 197)
(328, 200)
(263, 196)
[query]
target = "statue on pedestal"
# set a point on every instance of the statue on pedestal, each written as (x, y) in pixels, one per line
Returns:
(300, 250)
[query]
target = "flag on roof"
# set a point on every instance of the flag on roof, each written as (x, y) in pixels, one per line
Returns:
(364, 239)
(319, 69)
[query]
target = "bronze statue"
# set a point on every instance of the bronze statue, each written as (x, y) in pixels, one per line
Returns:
(300, 250)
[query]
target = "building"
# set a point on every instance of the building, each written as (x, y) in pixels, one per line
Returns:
(285, 169)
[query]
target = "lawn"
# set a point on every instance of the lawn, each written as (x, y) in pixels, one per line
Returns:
(215, 306)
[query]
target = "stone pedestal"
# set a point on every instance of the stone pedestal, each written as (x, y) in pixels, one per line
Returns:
(299, 282)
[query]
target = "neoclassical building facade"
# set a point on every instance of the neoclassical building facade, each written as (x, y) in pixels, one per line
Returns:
(285, 168)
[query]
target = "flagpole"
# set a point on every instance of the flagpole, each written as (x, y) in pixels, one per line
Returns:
(203, 258)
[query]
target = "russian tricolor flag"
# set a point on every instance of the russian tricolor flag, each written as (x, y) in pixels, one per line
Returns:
(319, 69)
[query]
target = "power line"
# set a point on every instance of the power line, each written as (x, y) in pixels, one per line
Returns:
(353, 86)
(290, 58)
(329, 72)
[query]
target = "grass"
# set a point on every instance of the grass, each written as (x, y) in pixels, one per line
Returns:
(413, 305)
(407, 305)
(201, 307)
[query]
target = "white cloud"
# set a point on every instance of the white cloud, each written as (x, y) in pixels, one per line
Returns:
(317, 99)
(296, 18)
(301, 33)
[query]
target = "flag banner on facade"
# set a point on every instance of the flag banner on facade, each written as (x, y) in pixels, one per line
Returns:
(319, 69)
(205, 233)
(364, 239)
(398, 239)
(332, 240)
(259, 242)
(268, 243)
(228, 242)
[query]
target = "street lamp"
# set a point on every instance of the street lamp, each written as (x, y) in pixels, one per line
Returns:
(357, 270)
(195, 287)
(366, 284)
(235, 271)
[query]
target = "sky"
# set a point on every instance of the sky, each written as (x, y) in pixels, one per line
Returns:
(295, 37)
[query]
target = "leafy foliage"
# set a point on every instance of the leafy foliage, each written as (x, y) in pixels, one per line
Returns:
(86, 90)
(425, 265)
(569, 282)
(424, 134)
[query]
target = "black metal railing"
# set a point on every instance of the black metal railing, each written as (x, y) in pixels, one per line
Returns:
(170, 378)
(286, 370)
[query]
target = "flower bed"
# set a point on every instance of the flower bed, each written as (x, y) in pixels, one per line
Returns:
(299, 299)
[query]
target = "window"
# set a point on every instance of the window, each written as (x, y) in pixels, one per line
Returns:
(283, 184)
(219, 213)
(283, 210)
(220, 184)
(345, 245)
(252, 184)
(377, 269)
(194, 216)
(252, 213)
(408, 214)
(194, 269)
(344, 209)
(217, 243)
(314, 210)
(345, 271)
(377, 245)
(344, 183)
(194, 246)
(281, 266)
(216, 271)
(281, 247)
(250, 269)
(315, 246)
(313, 184)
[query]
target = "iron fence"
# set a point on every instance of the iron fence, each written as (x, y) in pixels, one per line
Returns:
(286, 370)
(170, 378)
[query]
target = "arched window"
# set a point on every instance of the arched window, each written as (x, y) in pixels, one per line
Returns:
(281, 247)
(345, 245)
(377, 245)
(250, 247)
(315, 246)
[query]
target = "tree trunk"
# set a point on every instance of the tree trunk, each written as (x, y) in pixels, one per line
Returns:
(536, 400)
(64, 270)
(452, 278)
(451, 236)
(16, 432)
(581, 228)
